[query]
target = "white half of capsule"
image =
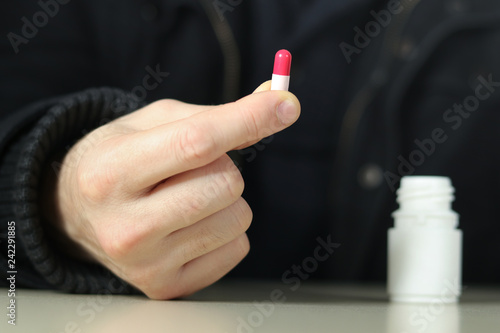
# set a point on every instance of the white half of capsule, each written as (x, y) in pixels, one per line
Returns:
(280, 82)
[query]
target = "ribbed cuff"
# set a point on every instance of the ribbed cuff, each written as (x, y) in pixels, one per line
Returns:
(64, 123)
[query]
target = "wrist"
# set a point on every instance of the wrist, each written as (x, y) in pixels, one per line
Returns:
(56, 205)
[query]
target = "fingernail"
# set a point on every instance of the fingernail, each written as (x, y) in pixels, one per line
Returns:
(287, 112)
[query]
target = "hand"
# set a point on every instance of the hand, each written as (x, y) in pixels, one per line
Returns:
(154, 197)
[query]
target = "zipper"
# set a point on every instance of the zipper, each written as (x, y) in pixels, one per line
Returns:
(230, 52)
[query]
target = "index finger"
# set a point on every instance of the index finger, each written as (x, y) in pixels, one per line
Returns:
(195, 141)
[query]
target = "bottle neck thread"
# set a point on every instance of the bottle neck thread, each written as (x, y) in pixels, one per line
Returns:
(425, 201)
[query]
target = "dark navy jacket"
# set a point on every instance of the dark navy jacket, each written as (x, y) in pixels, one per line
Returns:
(387, 89)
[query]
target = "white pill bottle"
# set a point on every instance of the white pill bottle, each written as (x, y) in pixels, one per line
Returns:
(425, 246)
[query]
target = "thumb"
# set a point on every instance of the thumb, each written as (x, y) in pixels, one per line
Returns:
(263, 87)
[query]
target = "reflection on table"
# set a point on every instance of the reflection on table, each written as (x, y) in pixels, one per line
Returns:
(247, 307)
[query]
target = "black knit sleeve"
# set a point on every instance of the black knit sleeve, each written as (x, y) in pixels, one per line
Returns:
(61, 122)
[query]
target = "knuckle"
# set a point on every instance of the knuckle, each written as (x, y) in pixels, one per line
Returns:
(119, 248)
(157, 281)
(142, 278)
(163, 105)
(95, 183)
(194, 144)
(230, 178)
(146, 280)
(243, 216)
(188, 208)
(115, 250)
(98, 174)
(241, 247)
(251, 122)
(206, 241)
(225, 183)
(101, 174)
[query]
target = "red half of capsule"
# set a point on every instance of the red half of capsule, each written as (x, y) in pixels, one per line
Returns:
(282, 63)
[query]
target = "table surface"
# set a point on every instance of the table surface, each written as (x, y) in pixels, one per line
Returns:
(247, 307)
